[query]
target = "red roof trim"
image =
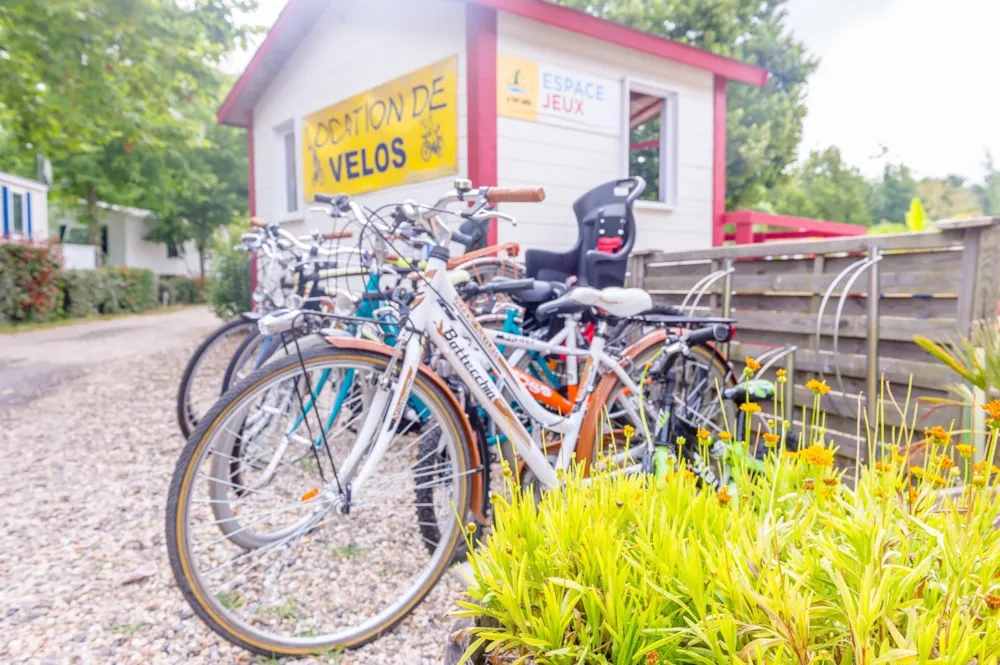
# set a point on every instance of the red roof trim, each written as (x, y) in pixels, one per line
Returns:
(616, 33)
(543, 12)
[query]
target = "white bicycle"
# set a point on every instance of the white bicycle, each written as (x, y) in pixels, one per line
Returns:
(358, 531)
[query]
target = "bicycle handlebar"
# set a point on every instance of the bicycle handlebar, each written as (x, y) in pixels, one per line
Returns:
(515, 195)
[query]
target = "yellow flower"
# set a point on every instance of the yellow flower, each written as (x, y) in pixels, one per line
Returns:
(881, 494)
(937, 480)
(993, 411)
(471, 527)
(750, 407)
(629, 432)
(681, 440)
(980, 467)
(703, 435)
(817, 455)
(809, 484)
(938, 435)
(964, 449)
(882, 466)
(725, 436)
(917, 471)
(818, 387)
(781, 373)
(752, 364)
(914, 495)
(723, 495)
(831, 481)
(789, 455)
(892, 448)
(771, 439)
(944, 461)
(979, 480)
(898, 459)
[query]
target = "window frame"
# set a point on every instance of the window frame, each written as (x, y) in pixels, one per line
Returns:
(280, 211)
(667, 196)
(23, 209)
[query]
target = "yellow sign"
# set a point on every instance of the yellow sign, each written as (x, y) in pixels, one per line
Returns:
(517, 88)
(401, 132)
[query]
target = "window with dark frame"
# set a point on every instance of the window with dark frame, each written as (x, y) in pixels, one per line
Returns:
(646, 124)
(172, 251)
(17, 212)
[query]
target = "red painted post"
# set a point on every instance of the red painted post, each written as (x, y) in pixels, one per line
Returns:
(481, 92)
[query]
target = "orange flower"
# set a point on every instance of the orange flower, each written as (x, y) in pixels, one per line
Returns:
(818, 387)
(938, 435)
(964, 449)
(652, 658)
(809, 484)
(725, 436)
(781, 373)
(944, 461)
(723, 495)
(917, 471)
(817, 455)
(703, 435)
(831, 481)
(980, 467)
(752, 364)
(882, 466)
(881, 494)
(750, 407)
(992, 601)
(992, 409)
(937, 480)
(771, 439)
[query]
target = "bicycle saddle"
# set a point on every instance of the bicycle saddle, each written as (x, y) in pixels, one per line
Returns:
(527, 291)
(614, 300)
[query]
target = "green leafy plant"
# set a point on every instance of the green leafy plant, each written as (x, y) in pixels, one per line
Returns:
(31, 273)
(786, 565)
(229, 286)
(975, 358)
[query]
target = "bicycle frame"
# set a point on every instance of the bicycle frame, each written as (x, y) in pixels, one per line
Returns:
(469, 349)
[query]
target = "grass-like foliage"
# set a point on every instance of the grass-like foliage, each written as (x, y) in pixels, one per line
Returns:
(789, 565)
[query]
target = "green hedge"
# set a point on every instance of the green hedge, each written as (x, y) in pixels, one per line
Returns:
(109, 290)
(29, 282)
(180, 290)
(229, 287)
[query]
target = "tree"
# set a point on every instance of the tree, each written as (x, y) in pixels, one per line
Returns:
(944, 198)
(764, 124)
(891, 196)
(97, 85)
(205, 187)
(824, 187)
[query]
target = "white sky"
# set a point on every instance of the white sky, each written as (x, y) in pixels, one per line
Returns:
(916, 76)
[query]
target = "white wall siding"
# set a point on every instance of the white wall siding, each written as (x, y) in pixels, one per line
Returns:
(141, 253)
(569, 162)
(39, 210)
(356, 46)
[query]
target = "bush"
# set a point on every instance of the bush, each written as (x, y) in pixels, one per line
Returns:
(180, 290)
(229, 286)
(788, 566)
(29, 276)
(109, 290)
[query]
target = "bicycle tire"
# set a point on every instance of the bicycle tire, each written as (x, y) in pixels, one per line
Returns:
(214, 614)
(186, 419)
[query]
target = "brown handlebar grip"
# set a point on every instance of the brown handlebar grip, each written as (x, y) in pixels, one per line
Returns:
(337, 235)
(257, 223)
(515, 195)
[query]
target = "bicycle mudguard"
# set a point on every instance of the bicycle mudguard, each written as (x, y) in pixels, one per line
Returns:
(511, 248)
(591, 423)
(475, 460)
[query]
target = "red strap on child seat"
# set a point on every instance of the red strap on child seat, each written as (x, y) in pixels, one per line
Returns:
(609, 245)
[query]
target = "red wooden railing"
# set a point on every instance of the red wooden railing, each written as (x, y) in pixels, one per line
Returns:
(796, 227)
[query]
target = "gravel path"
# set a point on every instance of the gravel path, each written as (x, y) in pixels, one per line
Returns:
(84, 575)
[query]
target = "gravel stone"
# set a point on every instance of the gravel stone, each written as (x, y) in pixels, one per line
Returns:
(84, 574)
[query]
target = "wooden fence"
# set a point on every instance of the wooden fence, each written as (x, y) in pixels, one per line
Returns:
(934, 283)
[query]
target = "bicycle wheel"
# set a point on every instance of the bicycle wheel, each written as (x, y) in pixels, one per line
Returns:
(202, 380)
(695, 384)
(322, 580)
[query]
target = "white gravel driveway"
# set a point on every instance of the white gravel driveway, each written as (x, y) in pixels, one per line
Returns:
(84, 576)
